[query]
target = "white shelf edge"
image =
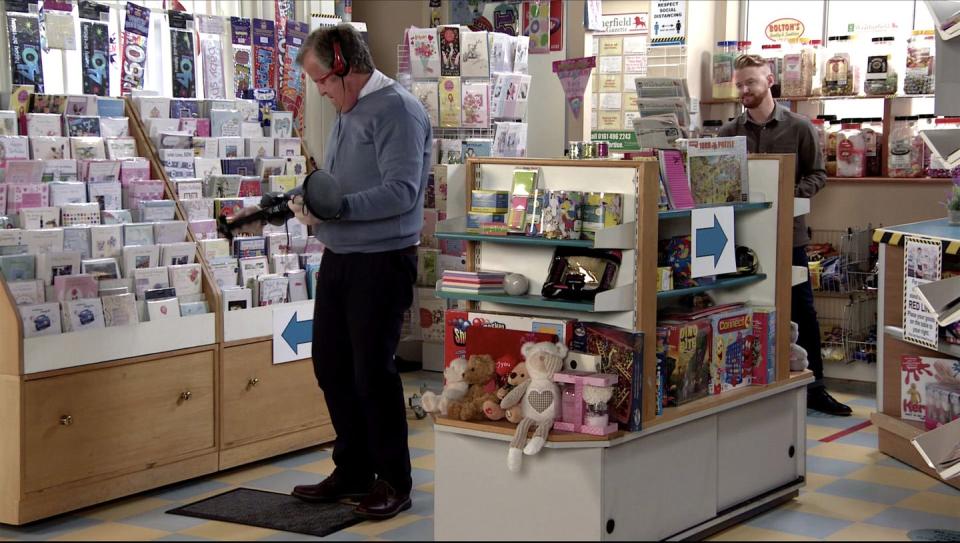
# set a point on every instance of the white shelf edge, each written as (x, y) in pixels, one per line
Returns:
(801, 206)
(621, 298)
(254, 322)
(622, 236)
(71, 349)
(948, 349)
(800, 275)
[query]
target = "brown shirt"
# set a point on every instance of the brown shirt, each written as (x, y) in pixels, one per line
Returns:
(786, 133)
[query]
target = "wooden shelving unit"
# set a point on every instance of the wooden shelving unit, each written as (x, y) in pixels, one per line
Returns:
(264, 409)
(682, 496)
(895, 433)
(892, 180)
(99, 414)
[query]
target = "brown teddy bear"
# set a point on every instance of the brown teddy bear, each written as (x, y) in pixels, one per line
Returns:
(480, 370)
(492, 409)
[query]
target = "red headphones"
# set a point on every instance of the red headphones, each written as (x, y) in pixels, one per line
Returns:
(341, 67)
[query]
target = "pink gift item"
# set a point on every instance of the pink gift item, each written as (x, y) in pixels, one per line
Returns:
(585, 399)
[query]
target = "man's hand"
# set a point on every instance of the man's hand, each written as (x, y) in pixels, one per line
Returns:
(301, 212)
(253, 228)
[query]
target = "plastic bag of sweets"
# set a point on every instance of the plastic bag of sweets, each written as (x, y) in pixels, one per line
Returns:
(829, 143)
(838, 72)
(902, 159)
(851, 150)
(880, 79)
(872, 137)
(724, 56)
(919, 75)
(799, 68)
(820, 127)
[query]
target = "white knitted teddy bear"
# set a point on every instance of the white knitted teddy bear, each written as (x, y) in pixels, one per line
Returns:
(539, 398)
(454, 388)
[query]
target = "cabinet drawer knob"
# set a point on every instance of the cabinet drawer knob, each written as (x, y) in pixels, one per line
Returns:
(253, 382)
(66, 420)
(184, 396)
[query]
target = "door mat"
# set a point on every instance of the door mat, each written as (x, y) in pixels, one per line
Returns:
(273, 511)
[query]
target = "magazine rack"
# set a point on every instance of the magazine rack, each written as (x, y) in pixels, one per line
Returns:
(895, 433)
(264, 409)
(98, 414)
(689, 470)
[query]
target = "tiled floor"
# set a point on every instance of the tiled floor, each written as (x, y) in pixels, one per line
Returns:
(853, 493)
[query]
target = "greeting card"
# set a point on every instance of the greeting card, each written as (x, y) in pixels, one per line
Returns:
(474, 54)
(476, 104)
(424, 52)
(450, 102)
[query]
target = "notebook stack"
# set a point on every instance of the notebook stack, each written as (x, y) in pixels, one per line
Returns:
(472, 282)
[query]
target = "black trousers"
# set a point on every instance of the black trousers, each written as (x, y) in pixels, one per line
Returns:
(358, 313)
(804, 314)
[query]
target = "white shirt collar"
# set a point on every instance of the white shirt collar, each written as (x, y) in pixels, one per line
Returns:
(376, 82)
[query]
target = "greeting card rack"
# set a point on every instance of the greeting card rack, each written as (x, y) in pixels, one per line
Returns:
(264, 409)
(691, 469)
(895, 432)
(94, 415)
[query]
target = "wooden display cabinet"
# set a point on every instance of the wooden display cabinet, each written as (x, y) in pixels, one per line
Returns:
(264, 409)
(99, 414)
(895, 433)
(694, 468)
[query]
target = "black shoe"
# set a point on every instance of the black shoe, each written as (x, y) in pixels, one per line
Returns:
(334, 488)
(821, 400)
(383, 503)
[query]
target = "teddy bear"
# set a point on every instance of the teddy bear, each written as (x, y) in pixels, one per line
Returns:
(798, 355)
(480, 370)
(454, 388)
(493, 411)
(539, 399)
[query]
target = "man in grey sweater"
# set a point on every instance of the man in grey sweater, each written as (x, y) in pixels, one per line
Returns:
(379, 153)
(770, 128)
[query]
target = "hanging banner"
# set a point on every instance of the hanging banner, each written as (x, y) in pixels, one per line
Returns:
(210, 28)
(285, 11)
(95, 48)
(133, 63)
(242, 57)
(536, 16)
(556, 24)
(26, 67)
(922, 263)
(182, 55)
(264, 49)
(574, 74)
(291, 89)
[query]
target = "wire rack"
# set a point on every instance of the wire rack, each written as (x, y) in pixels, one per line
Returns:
(843, 275)
(843, 262)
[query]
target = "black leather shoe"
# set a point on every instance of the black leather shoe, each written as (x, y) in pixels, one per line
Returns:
(383, 502)
(333, 488)
(821, 400)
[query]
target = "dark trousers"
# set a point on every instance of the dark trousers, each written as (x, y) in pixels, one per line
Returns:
(804, 314)
(360, 303)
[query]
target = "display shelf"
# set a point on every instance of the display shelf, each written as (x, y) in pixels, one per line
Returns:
(507, 429)
(904, 180)
(255, 322)
(948, 349)
(105, 344)
(721, 283)
(617, 237)
(716, 101)
(617, 299)
(730, 398)
(737, 208)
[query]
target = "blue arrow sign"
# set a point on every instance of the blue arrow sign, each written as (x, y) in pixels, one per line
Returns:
(297, 332)
(711, 241)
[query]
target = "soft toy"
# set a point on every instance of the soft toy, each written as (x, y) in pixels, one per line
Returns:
(798, 355)
(492, 409)
(480, 370)
(539, 399)
(454, 388)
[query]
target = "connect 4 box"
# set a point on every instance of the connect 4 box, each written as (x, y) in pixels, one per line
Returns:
(765, 345)
(733, 350)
